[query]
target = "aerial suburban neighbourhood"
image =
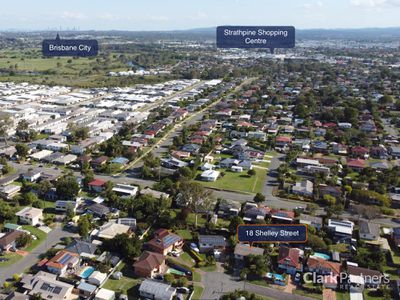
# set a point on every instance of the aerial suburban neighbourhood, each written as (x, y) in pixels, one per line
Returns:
(130, 174)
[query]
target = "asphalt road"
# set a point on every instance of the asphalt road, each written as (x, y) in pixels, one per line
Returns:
(33, 257)
(218, 283)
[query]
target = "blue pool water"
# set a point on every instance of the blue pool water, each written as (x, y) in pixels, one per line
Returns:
(277, 276)
(86, 272)
(321, 255)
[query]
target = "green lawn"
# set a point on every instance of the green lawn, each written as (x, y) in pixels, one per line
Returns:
(127, 284)
(239, 182)
(41, 236)
(12, 259)
(342, 295)
(198, 291)
(196, 277)
(191, 220)
(211, 268)
(185, 234)
(339, 247)
(187, 258)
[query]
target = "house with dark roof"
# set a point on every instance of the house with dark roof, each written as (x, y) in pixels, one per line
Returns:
(98, 210)
(396, 237)
(164, 242)
(8, 241)
(253, 212)
(282, 216)
(369, 231)
(209, 243)
(313, 221)
(371, 278)
(289, 260)
(150, 264)
(84, 249)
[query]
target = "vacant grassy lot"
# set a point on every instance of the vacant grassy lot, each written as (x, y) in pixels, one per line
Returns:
(239, 182)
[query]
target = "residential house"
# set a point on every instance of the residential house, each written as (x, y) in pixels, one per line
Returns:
(193, 149)
(228, 208)
(97, 185)
(209, 175)
(31, 176)
(341, 230)
(150, 264)
(46, 285)
(105, 294)
(282, 216)
(313, 221)
(304, 188)
(110, 230)
(371, 278)
(98, 162)
(356, 164)
(396, 237)
(369, 231)
(97, 278)
(125, 190)
(156, 290)
(154, 193)
(8, 240)
(98, 210)
(253, 212)
(243, 250)
(83, 248)
(64, 205)
(210, 243)
(333, 191)
(86, 290)
(289, 260)
(62, 261)
(164, 242)
(9, 191)
(30, 215)
(330, 270)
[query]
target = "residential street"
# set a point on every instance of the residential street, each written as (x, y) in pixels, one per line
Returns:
(218, 283)
(33, 257)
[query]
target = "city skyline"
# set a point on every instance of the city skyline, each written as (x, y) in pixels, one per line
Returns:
(179, 15)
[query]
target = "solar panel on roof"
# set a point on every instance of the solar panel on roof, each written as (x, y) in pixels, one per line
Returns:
(57, 290)
(45, 286)
(170, 239)
(65, 258)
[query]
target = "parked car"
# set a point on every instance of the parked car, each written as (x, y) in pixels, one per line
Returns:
(194, 247)
(183, 290)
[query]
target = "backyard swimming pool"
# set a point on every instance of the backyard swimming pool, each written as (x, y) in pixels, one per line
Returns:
(321, 255)
(86, 272)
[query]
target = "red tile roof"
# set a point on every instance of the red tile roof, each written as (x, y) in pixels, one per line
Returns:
(97, 182)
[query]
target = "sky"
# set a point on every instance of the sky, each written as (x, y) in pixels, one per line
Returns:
(189, 14)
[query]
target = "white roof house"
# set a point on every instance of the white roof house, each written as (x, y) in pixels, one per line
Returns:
(110, 230)
(41, 154)
(341, 227)
(210, 175)
(125, 189)
(105, 294)
(97, 278)
(30, 215)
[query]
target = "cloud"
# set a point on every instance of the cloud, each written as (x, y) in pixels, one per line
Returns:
(375, 3)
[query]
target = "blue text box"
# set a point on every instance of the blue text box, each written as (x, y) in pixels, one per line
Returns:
(61, 47)
(256, 37)
(271, 233)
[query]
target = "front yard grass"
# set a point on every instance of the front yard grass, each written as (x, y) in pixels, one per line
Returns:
(340, 295)
(12, 259)
(198, 291)
(185, 234)
(41, 236)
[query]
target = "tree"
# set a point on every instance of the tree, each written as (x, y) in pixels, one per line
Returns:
(316, 242)
(259, 197)
(251, 172)
(44, 187)
(198, 199)
(22, 150)
(235, 222)
(84, 226)
(5, 124)
(23, 240)
(67, 187)
(129, 247)
(27, 199)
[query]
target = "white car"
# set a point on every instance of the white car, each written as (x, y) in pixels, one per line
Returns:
(194, 247)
